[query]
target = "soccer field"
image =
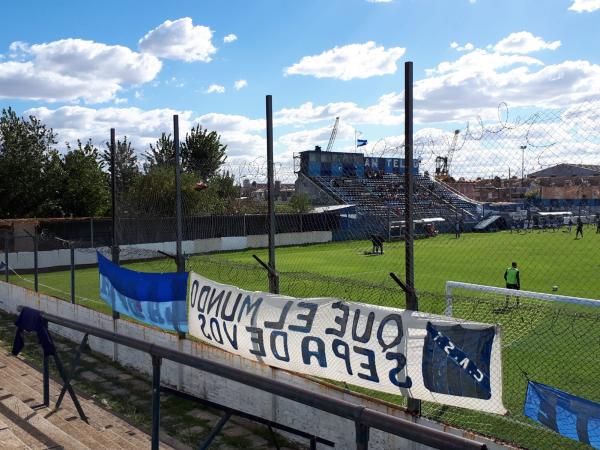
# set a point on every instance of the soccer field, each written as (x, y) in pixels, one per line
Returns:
(545, 259)
(546, 343)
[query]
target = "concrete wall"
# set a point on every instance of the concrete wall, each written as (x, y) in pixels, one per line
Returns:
(219, 390)
(61, 258)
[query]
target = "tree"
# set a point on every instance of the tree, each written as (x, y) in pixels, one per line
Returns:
(126, 164)
(202, 152)
(153, 195)
(163, 152)
(85, 190)
(300, 203)
(25, 148)
(54, 180)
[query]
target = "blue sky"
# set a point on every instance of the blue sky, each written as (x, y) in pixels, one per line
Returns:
(86, 66)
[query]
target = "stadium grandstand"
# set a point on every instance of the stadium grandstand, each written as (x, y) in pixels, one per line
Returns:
(375, 186)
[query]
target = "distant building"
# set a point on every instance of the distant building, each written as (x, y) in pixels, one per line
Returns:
(567, 170)
(258, 191)
(564, 186)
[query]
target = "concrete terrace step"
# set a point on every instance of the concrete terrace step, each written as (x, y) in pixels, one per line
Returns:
(26, 423)
(8, 439)
(32, 428)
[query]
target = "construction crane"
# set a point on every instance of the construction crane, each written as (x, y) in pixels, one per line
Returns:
(442, 163)
(333, 134)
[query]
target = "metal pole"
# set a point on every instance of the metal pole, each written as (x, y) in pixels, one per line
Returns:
(35, 261)
(92, 231)
(6, 259)
(509, 187)
(72, 251)
(273, 279)
(46, 380)
(413, 406)
(113, 193)
(178, 228)
(156, 363)
(523, 147)
(362, 436)
(113, 183)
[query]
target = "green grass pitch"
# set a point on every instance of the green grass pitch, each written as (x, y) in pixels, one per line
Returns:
(539, 342)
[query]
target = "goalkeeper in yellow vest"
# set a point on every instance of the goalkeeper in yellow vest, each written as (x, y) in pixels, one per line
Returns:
(513, 280)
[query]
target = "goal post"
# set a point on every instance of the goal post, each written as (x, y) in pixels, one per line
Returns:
(453, 285)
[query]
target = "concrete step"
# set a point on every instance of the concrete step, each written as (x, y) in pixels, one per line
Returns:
(32, 428)
(104, 431)
(8, 439)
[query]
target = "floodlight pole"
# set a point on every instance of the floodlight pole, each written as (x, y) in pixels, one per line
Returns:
(523, 147)
(178, 230)
(273, 277)
(413, 406)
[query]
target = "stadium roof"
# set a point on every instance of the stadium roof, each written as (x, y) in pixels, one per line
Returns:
(321, 209)
(568, 170)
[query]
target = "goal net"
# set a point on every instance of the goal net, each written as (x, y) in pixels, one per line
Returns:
(503, 298)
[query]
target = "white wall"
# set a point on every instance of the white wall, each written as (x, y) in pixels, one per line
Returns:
(62, 258)
(219, 390)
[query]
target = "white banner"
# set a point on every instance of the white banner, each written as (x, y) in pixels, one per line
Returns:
(413, 354)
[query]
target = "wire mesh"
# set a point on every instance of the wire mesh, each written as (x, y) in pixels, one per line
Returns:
(513, 189)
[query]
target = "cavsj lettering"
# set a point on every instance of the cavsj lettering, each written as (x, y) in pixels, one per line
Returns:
(352, 342)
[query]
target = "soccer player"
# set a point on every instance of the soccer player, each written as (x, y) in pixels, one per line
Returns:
(513, 280)
(579, 230)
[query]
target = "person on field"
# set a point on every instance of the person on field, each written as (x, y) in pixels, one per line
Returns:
(597, 223)
(377, 242)
(458, 228)
(579, 230)
(513, 280)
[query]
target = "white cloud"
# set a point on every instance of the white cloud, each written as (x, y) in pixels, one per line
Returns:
(524, 42)
(230, 122)
(179, 39)
(349, 62)
(215, 89)
(239, 84)
(72, 69)
(140, 126)
(382, 113)
(585, 5)
(480, 60)
(471, 86)
(230, 38)
(143, 127)
(467, 47)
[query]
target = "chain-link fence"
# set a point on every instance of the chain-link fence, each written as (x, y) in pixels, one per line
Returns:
(496, 191)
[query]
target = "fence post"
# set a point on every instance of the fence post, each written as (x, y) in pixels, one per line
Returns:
(362, 436)
(273, 277)
(413, 406)
(92, 232)
(6, 258)
(156, 363)
(35, 260)
(113, 195)
(178, 227)
(72, 251)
